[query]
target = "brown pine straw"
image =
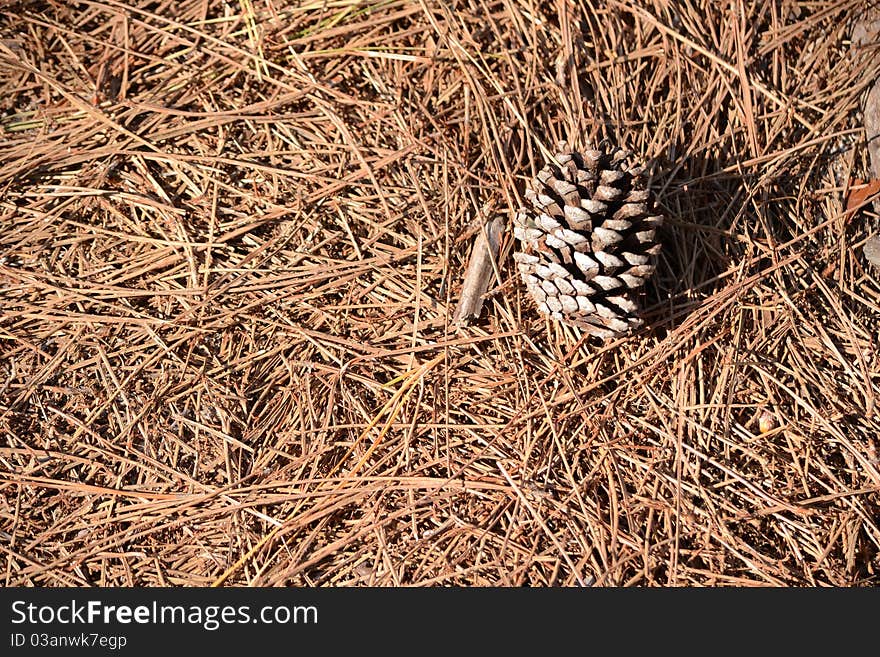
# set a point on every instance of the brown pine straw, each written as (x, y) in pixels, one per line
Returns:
(232, 237)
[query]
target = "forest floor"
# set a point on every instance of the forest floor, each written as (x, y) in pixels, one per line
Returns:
(233, 235)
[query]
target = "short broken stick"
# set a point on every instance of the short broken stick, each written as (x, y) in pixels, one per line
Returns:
(481, 265)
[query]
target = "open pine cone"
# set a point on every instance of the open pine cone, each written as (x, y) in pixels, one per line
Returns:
(588, 240)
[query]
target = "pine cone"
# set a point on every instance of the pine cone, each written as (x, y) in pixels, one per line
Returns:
(588, 240)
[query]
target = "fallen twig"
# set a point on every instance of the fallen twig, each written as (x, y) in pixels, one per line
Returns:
(482, 263)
